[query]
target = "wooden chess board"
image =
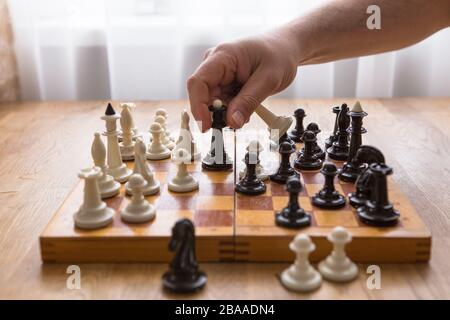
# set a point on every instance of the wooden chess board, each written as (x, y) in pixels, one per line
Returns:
(230, 226)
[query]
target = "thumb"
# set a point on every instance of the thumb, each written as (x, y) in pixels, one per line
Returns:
(257, 88)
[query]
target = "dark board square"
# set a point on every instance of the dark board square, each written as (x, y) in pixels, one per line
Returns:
(278, 189)
(254, 203)
(213, 218)
(312, 177)
(219, 189)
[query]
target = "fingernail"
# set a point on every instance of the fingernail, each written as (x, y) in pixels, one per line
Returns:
(238, 118)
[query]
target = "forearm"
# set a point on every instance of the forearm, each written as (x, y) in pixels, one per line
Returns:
(338, 29)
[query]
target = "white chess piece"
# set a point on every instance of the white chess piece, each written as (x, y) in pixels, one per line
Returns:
(337, 266)
(156, 149)
(93, 213)
(163, 112)
(183, 181)
(139, 209)
(106, 183)
(116, 167)
(278, 125)
(141, 167)
(185, 139)
(165, 139)
(261, 173)
(301, 276)
(126, 123)
(134, 128)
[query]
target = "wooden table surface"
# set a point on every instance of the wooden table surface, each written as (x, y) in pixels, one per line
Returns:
(43, 145)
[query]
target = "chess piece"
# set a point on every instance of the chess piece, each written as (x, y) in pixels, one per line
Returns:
(339, 149)
(332, 138)
(296, 133)
(165, 139)
(217, 158)
(307, 160)
(365, 155)
(301, 276)
(186, 139)
(285, 169)
(261, 173)
(337, 266)
(250, 184)
(107, 185)
(163, 112)
(116, 167)
(278, 125)
(378, 211)
(328, 197)
(127, 144)
(156, 149)
(352, 168)
(183, 181)
(318, 152)
(138, 210)
(141, 167)
(285, 138)
(93, 213)
(134, 128)
(292, 216)
(184, 274)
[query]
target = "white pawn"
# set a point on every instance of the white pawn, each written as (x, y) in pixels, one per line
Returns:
(126, 123)
(141, 167)
(156, 149)
(139, 209)
(337, 266)
(106, 183)
(164, 137)
(163, 112)
(93, 213)
(261, 173)
(185, 139)
(116, 167)
(183, 181)
(301, 276)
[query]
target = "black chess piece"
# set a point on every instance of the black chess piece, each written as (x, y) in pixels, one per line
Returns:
(286, 138)
(328, 197)
(217, 158)
(285, 169)
(340, 148)
(296, 133)
(318, 152)
(184, 274)
(250, 184)
(332, 138)
(292, 216)
(365, 155)
(378, 211)
(352, 168)
(307, 160)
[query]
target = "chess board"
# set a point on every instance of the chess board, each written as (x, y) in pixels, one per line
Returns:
(230, 226)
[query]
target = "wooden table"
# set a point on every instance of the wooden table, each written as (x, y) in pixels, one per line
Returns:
(43, 145)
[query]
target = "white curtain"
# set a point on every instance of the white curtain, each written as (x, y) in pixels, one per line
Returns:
(146, 49)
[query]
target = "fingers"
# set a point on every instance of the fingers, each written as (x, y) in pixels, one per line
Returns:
(258, 87)
(198, 92)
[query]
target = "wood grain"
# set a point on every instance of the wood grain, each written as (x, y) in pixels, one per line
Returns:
(43, 145)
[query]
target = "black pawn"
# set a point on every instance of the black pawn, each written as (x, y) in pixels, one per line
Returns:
(328, 197)
(365, 155)
(285, 169)
(314, 127)
(332, 138)
(212, 161)
(352, 168)
(307, 160)
(292, 216)
(250, 184)
(296, 133)
(378, 211)
(184, 274)
(340, 148)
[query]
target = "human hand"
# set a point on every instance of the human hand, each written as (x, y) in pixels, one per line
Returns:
(242, 74)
